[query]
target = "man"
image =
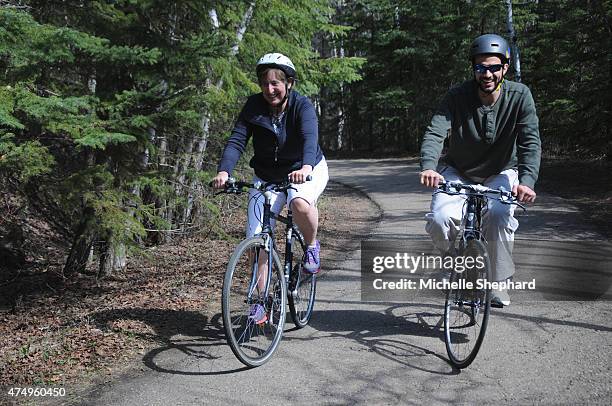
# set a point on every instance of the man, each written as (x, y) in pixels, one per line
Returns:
(493, 139)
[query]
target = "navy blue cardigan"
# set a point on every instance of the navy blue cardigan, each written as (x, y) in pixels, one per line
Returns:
(275, 156)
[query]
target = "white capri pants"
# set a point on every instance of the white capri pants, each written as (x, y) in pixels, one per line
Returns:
(309, 191)
(499, 224)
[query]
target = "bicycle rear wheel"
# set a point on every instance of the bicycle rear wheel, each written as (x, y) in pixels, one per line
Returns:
(252, 340)
(302, 285)
(466, 310)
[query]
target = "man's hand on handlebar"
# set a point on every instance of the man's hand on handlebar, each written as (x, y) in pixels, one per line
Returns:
(524, 194)
(431, 178)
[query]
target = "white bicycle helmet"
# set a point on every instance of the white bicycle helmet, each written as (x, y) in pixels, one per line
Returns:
(278, 61)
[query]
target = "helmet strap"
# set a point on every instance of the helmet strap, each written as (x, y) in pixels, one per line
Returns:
(501, 82)
(287, 91)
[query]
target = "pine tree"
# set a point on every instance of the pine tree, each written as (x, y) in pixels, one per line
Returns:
(113, 113)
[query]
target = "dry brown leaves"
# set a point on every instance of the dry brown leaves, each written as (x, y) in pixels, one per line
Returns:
(58, 332)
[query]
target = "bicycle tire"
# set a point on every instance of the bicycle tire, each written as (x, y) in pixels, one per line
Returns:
(252, 343)
(302, 286)
(466, 311)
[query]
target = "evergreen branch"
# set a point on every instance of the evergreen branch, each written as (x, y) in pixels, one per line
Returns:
(11, 4)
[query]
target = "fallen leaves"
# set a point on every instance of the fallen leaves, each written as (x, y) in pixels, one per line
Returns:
(65, 330)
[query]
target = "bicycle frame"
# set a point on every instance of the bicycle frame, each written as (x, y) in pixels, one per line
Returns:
(473, 218)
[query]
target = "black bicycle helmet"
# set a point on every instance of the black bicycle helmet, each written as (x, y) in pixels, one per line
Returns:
(490, 44)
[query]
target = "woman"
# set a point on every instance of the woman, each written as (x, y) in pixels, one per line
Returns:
(283, 125)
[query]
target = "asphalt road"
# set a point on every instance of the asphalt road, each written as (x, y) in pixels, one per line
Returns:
(551, 346)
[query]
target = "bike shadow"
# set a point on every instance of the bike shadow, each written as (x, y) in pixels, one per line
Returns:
(193, 344)
(385, 333)
(190, 343)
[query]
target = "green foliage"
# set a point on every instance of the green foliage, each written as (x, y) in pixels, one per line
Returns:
(54, 123)
(113, 218)
(121, 108)
(334, 72)
(7, 105)
(417, 50)
(99, 139)
(568, 51)
(23, 161)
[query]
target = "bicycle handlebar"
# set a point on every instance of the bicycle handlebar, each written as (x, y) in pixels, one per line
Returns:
(455, 188)
(237, 187)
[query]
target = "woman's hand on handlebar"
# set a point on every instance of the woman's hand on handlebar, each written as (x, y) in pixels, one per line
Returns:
(299, 176)
(431, 178)
(218, 181)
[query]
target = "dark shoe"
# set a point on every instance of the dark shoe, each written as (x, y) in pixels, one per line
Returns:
(500, 297)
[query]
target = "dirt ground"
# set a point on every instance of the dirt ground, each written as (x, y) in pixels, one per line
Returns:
(83, 331)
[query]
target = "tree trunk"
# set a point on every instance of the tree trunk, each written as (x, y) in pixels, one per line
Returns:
(200, 146)
(113, 257)
(81, 246)
(85, 234)
(515, 50)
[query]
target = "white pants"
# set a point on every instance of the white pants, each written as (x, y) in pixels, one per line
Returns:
(309, 191)
(499, 224)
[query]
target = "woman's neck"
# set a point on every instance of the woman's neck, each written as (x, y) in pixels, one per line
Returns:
(278, 110)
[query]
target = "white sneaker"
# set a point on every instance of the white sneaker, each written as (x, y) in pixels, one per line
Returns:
(500, 297)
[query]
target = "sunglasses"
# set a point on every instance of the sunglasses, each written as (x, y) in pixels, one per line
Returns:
(479, 68)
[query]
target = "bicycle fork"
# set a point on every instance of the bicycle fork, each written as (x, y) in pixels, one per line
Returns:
(266, 233)
(260, 282)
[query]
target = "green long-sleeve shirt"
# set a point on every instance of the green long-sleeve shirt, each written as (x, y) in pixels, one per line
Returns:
(485, 140)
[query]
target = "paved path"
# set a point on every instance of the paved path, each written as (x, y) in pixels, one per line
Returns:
(535, 351)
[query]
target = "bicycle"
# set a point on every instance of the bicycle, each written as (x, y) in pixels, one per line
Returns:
(254, 276)
(468, 299)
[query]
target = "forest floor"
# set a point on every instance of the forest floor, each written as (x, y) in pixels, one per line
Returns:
(61, 332)
(78, 332)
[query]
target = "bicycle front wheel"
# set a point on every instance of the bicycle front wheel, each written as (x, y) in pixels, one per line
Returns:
(302, 285)
(253, 316)
(466, 310)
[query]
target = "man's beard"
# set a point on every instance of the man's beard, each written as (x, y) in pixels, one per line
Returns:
(496, 82)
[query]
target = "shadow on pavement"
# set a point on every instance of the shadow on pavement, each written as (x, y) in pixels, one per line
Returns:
(382, 333)
(189, 333)
(504, 313)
